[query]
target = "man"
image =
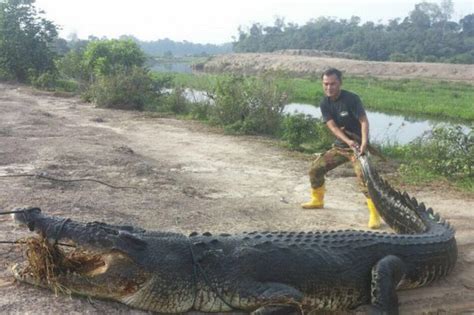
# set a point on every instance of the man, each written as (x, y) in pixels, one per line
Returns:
(341, 111)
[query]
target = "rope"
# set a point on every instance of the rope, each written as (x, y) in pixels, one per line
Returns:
(22, 211)
(198, 268)
(63, 222)
(23, 242)
(70, 180)
(12, 212)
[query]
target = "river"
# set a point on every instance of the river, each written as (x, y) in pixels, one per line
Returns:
(384, 128)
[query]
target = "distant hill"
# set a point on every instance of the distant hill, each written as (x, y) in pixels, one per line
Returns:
(167, 46)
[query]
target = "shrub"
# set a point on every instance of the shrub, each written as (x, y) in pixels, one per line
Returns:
(230, 100)
(298, 129)
(445, 152)
(126, 90)
(248, 105)
(323, 139)
(201, 110)
(305, 131)
(71, 65)
(67, 85)
(45, 81)
(175, 102)
(450, 151)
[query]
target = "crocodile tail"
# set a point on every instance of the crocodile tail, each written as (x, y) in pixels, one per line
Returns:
(400, 211)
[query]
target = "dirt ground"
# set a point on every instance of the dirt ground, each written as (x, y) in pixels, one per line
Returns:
(313, 66)
(187, 177)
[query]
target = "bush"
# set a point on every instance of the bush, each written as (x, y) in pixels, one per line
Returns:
(298, 129)
(450, 151)
(50, 81)
(230, 100)
(305, 131)
(445, 152)
(5, 75)
(67, 85)
(175, 102)
(201, 110)
(71, 65)
(248, 105)
(45, 81)
(126, 90)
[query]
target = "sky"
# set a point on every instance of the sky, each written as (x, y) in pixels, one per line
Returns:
(212, 21)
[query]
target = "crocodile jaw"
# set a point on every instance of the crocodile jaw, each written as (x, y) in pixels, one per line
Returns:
(110, 275)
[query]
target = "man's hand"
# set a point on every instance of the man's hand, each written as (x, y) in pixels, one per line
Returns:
(354, 146)
(363, 148)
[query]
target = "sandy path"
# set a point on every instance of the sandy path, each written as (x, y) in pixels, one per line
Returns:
(188, 178)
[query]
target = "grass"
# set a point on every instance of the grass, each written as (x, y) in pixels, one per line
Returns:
(421, 98)
(416, 97)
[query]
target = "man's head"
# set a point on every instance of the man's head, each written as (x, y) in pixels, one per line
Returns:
(332, 81)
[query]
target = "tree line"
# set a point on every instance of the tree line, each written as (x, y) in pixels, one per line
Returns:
(30, 50)
(169, 47)
(427, 34)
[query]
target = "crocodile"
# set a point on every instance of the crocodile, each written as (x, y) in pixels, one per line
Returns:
(264, 272)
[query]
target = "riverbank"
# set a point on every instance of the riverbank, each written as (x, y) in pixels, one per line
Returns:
(414, 97)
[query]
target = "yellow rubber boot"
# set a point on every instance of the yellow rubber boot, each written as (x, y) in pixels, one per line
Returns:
(374, 217)
(317, 199)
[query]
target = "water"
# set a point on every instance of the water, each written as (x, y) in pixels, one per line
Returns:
(172, 67)
(197, 96)
(384, 128)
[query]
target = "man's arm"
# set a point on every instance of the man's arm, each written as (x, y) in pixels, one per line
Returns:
(364, 126)
(341, 135)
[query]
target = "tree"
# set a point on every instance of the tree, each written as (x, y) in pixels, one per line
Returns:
(26, 39)
(109, 57)
(447, 9)
(467, 24)
(116, 74)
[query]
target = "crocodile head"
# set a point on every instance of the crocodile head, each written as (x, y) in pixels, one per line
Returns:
(95, 259)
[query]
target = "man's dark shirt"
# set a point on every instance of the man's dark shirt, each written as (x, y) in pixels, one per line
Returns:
(345, 111)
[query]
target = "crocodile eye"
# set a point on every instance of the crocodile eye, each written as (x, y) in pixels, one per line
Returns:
(31, 226)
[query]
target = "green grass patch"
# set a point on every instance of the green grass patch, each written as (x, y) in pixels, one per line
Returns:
(416, 97)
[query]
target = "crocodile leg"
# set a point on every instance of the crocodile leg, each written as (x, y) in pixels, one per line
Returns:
(279, 294)
(267, 298)
(386, 275)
